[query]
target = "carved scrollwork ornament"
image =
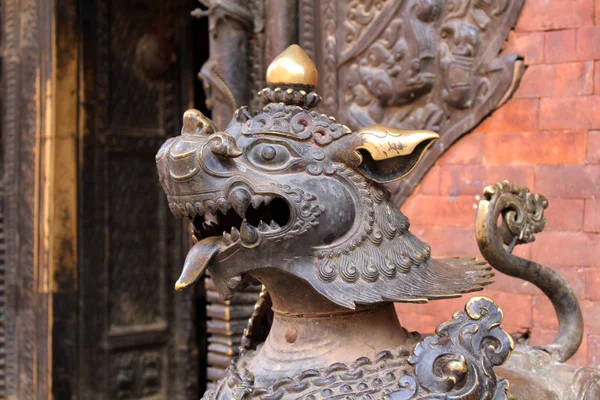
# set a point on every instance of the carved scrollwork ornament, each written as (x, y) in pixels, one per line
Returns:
(457, 362)
(523, 211)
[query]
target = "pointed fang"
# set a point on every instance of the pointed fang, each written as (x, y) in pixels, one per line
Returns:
(223, 205)
(262, 226)
(211, 206)
(267, 200)
(249, 234)
(235, 234)
(199, 208)
(240, 200)
(257, 201)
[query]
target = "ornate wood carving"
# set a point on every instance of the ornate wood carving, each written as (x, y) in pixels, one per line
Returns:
(33, 266)
(139, 337)
(225, 325)
(256, 50)
(416, 64)
(3, 304)
(307, 18)
(225, 74)
(25, 48)
(328, 82)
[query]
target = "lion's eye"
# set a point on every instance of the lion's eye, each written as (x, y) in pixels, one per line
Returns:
(271, 156)
(268, 153)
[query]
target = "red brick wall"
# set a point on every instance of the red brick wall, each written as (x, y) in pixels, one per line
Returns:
(547, 137)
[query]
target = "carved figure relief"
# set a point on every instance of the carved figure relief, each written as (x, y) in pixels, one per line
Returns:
(137, 374)
(424, 64)
(124, 377)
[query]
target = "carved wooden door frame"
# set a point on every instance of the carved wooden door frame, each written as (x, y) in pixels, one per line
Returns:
(48, 108)
(28, 138)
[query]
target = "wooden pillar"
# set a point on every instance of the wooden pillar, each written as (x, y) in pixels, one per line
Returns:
(39, 193)
(281, 26)
(225, 74)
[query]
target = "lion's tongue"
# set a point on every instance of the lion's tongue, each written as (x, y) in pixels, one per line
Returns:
(197, 260)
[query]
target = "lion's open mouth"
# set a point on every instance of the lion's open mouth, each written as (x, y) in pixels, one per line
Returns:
(242, 216)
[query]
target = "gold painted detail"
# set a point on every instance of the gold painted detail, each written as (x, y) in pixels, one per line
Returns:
(458, 359)
(292, 67)
(383, 142)
(194, 122)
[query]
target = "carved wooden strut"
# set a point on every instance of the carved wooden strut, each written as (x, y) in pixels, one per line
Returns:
(291, 199)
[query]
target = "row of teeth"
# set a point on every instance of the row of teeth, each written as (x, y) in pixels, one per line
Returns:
(248, 233)
(238, 199)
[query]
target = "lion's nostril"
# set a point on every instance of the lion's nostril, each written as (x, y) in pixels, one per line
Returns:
(223, 145)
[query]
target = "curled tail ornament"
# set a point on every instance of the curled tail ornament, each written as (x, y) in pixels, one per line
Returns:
(522, 215)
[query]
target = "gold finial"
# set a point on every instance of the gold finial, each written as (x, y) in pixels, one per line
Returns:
(293, 67)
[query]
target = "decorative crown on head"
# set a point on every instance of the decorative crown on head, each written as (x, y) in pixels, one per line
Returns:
(291, 79)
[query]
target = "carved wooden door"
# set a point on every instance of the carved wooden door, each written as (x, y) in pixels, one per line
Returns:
(136, 334)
